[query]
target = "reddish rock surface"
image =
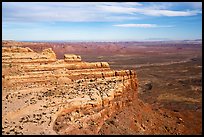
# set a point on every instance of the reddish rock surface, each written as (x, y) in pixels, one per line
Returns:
(42, 92)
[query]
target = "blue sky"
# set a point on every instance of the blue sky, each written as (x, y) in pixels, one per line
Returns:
(101, 21)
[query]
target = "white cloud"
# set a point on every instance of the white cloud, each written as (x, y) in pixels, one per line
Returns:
(136, 25)
(169, 13)
(151, 11)
(140, 25)
(159, 5)
(67, 11)
(117, 9)
(88, 11)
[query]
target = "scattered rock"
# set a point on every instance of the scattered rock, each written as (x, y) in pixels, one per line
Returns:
(88, 93)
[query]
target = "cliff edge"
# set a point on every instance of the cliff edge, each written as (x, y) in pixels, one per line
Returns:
(43, 95)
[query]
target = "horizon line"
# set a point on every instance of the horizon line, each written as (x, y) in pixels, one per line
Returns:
(200, 39)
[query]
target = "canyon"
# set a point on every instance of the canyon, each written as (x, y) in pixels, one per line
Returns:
(101, 88)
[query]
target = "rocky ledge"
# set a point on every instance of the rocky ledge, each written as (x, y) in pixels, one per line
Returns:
(43, 95)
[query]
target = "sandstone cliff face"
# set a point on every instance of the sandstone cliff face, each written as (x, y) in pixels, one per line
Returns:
(43, 95)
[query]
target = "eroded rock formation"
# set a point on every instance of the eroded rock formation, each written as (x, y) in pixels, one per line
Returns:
(43, 95)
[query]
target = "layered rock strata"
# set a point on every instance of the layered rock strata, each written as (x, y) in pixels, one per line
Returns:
(43, 95)
(71, 57)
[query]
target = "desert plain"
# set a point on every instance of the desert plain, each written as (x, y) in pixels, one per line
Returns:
(134, 88)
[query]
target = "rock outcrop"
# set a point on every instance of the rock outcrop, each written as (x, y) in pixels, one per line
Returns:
(43, 95)
(71, 58)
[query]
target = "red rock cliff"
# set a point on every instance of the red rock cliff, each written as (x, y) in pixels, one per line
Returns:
(43, 95)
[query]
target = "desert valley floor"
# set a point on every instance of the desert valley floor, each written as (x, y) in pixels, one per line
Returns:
(168, 86)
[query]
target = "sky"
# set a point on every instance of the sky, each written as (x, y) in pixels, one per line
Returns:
(101, 21)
